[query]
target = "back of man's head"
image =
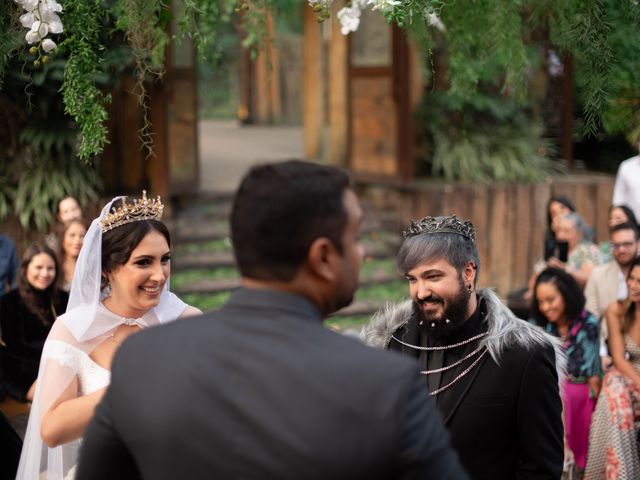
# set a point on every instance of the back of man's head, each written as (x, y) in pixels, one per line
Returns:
(279, 210)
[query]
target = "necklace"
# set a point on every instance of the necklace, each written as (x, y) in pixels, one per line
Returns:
(467, 370)
(443, 347)
(454, 364)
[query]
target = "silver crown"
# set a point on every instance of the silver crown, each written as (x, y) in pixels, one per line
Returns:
(451, 224)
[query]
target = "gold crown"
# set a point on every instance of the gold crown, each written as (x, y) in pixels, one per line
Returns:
(141, 209)
(450, 224)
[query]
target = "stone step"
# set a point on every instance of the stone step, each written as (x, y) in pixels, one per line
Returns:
(215, 259)
(209, 286)
(226, 284)
(202, 260)
(205, 222)
(201, 231)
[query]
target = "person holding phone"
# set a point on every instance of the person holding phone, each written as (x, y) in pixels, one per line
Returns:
(570, 251)
(558, 249)
(582, 255)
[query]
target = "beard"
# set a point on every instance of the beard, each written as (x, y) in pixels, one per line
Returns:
(455, 311)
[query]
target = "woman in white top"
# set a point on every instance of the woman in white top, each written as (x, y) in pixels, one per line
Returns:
(119, 287)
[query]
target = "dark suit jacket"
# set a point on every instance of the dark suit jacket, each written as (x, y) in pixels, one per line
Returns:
(261, 390)
(504, 419)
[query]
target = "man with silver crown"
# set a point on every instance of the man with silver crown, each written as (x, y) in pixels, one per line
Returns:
(495, 378)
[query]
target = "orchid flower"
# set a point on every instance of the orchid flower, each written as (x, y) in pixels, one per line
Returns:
(349, 16)
(41, 18)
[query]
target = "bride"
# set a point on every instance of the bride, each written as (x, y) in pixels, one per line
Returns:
(120, 286)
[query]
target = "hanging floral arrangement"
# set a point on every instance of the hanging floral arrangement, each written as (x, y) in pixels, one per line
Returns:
(41, 18)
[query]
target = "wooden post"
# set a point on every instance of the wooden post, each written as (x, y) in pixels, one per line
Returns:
(273, 72)
(339, 125)
(158, 166)
(567, 111)
(266, 81)
(131, 156)
(313, 85)
(247, 101)
(402, 97)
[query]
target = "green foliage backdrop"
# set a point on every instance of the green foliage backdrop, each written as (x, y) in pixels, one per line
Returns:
(488, 46)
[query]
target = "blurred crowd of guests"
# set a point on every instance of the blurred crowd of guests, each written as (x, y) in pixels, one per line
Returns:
(587, 294)
(33, 292)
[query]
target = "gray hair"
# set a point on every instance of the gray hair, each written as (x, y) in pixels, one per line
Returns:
(579, 222)
(455, 249)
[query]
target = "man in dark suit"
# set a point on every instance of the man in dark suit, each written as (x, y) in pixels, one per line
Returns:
(259, 389)
(494, 377)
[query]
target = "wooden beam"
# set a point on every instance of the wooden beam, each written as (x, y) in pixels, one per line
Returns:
(339, 125)
(313, 84)
(402, 96)
(158, 166)
(567, 111)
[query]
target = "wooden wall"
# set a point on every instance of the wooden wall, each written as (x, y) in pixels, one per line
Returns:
(510, 218)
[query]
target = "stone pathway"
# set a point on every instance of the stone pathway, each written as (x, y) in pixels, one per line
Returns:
(228, 150)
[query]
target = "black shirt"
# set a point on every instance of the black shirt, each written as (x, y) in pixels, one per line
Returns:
(430, 360)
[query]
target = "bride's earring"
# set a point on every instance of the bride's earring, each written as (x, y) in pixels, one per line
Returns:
(106, 290)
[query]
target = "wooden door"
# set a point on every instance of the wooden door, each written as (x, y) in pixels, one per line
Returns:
(380, 133)
(182, 116)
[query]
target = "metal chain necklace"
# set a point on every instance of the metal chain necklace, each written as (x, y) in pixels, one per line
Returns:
(442, 347)
(467, 370)
(454, 364)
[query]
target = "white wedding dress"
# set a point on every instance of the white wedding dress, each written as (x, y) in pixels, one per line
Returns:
(90, 375)
(66, 355)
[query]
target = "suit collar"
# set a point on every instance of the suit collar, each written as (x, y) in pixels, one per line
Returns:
(274, 299)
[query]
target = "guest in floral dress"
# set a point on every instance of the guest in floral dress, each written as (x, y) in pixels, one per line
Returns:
(613, 449)
(558, 307)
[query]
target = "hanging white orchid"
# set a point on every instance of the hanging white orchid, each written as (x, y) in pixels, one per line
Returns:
(349, 16)
(41, 18)
(48, 45)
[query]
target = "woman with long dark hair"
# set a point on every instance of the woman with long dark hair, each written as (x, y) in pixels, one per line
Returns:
(26, 316)
(558, 307)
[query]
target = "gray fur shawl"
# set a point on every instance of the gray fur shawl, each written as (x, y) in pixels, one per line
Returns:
(505, 330)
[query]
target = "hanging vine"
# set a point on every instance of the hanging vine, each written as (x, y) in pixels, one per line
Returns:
(82, 98)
